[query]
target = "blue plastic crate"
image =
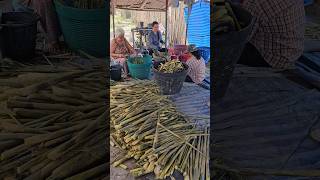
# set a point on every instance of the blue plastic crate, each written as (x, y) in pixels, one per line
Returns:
(205, 53)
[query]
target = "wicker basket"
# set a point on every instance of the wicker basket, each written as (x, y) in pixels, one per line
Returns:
(170, 83)
(228, 48)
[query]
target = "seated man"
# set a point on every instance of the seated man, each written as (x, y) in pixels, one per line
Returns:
(277, 39)
(120, 48)
(154, 38)
(48, 19)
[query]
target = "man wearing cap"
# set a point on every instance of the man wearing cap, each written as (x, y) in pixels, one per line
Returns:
(196, 64)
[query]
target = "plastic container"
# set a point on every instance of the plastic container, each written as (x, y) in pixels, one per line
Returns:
(170, 83)
(84, 29)
(19, 33)
(115, 72)
(228, 49)
(205, 53)
(140, 71)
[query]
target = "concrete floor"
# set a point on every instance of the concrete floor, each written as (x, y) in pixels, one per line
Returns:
(119, 173)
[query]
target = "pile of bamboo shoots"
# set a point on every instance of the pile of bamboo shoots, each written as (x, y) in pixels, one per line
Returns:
(49, 122)
(89, 4)
(223, 17)
(173, 66)
(150, 129)
(312, 31)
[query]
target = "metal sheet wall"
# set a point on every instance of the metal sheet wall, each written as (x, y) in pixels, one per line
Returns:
(199, 24)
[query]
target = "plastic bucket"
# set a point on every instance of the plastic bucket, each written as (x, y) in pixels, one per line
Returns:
(84, 29)
(19, 33)
(115, 72)
(228, 49)
(140, 71)
(170, 83)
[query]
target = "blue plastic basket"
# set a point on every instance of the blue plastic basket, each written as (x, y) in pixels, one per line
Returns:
(140, 71)
(308, 2)
(205, 53)
(84, 29)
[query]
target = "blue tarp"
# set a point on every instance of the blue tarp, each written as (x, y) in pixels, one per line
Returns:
(199, 24)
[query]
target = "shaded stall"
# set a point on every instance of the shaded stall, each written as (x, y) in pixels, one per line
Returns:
(151, 6)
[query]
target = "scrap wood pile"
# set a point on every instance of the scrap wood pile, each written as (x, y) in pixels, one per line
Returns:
(148, 127)
(49, 122)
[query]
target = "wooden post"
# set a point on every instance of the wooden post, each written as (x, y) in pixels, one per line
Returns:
(166, 38)
(187, 25)
(114, 28)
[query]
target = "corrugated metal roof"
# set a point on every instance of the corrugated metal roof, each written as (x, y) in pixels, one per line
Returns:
(199, 24)
(142, 5)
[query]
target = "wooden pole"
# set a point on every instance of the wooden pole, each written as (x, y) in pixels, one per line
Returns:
(187, 25)
(166, 38)
(114, 28)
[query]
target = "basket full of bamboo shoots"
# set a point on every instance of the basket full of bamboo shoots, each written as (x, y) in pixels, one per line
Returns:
(232, 26)
(140, 66)
(170, 76)
(84, 25)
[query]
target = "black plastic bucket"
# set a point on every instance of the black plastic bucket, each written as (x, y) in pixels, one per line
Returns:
(19, 32)
(227, 51)
(170, 83)
(115, 72)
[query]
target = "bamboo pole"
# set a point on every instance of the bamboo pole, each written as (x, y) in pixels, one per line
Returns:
(166, 38)
(113, 21)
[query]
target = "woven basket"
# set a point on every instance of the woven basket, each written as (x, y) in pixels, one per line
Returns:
(228, 48)
(84, 29)
(170, 83)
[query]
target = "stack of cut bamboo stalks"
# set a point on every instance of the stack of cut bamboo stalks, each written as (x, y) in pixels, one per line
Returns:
(312, 31)
(49, 122)
(148, 127)
(89, 4)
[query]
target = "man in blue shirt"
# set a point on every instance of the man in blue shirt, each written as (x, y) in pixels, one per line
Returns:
(155, 37)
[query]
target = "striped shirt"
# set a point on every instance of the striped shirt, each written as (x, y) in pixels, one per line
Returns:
(197, 69)
(278, 32)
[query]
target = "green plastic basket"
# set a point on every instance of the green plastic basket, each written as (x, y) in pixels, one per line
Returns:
(84, 29)
(140, 71)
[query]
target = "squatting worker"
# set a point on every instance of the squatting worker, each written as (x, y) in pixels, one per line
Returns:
(196, 64)
(277, 39)
(155, 37)
(120, 48)
(48, 19)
